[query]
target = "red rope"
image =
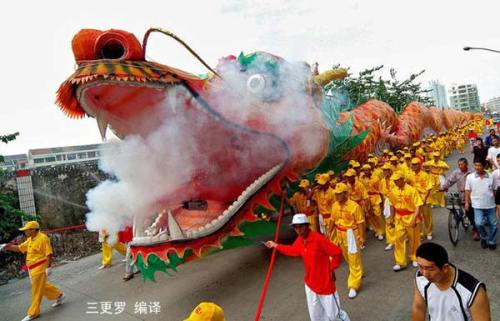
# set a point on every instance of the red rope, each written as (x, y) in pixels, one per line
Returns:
(74, 227)
(271, 264)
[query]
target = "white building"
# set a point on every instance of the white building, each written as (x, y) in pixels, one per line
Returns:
(493, 105)
(464, 97)
(62, 155)
(438, 94)
(14, 162)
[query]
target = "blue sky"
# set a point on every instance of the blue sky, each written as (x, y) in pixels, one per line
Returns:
(407, 35)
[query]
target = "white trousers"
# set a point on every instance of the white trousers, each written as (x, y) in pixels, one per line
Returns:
(324, 307)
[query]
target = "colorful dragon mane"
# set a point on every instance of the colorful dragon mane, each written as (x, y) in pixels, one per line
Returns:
(257, 120)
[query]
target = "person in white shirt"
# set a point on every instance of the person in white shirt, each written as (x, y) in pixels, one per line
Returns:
(445, 292)
(479, 195)
(493, 152)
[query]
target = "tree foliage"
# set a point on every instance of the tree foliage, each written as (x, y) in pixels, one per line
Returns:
(355, 90)
(10, 215)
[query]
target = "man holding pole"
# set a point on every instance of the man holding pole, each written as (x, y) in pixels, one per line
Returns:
(322, 298)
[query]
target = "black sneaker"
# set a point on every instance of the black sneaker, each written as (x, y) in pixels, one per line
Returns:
(483, 244)
(492, 246)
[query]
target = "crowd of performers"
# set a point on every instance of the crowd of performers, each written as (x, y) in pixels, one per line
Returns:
(391, 195)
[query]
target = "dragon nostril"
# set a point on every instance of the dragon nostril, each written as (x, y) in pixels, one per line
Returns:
(112, 49)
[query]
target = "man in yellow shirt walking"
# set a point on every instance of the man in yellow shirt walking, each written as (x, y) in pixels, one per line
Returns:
(405, 206)
(347, 219)
(38, 261)
(424, 185)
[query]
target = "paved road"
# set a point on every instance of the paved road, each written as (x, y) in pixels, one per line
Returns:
(234, 279)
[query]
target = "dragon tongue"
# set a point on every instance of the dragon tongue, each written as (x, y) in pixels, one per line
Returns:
(174, 229)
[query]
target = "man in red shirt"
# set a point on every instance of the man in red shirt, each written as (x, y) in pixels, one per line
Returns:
(322, 297)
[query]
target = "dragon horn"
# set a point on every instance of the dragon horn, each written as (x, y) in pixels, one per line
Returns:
(326, 76)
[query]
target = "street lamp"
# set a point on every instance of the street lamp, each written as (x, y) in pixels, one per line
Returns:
(479, 48)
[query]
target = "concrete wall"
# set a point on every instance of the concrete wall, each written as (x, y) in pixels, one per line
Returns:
(60, 192)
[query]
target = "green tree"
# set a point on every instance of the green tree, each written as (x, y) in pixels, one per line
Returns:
(367, 85)
(10, 215)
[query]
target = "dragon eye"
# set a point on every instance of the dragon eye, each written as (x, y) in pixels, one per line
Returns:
(256, 84)
(263, 87)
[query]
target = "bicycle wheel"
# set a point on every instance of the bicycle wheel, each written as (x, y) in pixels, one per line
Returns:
(453, 227)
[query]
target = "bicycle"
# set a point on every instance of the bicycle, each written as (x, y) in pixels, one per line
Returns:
(455, 217)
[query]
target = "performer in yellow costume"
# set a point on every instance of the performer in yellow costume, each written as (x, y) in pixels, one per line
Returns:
(386, 184)
(405, 202)
(323, 196)
(358, 193)
(423, 183)
(38, 261)
(347, 219)
(301, 202)
(372, 184)
(107, 249)
(437, 168)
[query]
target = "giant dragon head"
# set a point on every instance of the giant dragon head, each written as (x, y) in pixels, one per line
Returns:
(255, 121)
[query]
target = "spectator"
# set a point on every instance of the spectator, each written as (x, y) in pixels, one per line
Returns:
(467, 299)
(458, 177)
(488, 141)
(322, 297)
(496, 186)
(479, 194)
(480, 151)
(493, 151)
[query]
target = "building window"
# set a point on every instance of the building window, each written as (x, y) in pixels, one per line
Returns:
(71, 157)
(50, 159)
(91, 154)
(39, 160)
(82, 155)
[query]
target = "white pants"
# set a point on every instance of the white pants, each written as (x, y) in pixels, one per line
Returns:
(324, 307)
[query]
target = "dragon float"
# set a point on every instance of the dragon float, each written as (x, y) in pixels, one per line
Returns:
(256, 111)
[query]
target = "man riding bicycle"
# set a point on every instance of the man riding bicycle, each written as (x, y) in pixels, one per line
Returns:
(458, 177)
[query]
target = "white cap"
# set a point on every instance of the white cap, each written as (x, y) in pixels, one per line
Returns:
(299, 218)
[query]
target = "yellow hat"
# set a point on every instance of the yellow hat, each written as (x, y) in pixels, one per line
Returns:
(30, 225)
(387, 166)
(304, 183)
(354, 163)
(366, 166)
(372, 160)
(406, 148)
(436, 154)
(397, 175)
(330, 172)
(394, 158)
(371, 155)
(385, 151)
(341, 188)
(207, 311)
(322, 179)
(391, 154)
(407, 155)
(416, 144)
(416, 160)
(350, 172)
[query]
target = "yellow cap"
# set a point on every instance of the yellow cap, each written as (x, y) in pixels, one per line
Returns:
(416, 160)
(394, 159)
(372, 160)
(30, 225)
(304, 183)
(407, 155)
(330, 172)
(387, 166)
(341, 188)
(385, 151)
(416, 144)
(436, 154)
(391, 154)
(366, 166)
(406, 148)
(350, 172)
(207, 311)
(354, 163)
(397, 175)
(322, 179)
